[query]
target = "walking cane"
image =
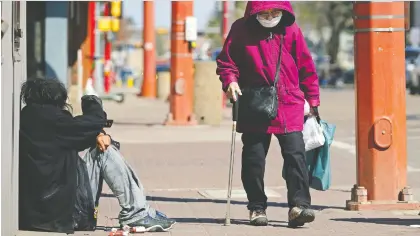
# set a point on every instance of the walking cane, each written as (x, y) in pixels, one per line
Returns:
(232, 156)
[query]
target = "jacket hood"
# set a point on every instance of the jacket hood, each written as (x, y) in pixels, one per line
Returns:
(253, 7)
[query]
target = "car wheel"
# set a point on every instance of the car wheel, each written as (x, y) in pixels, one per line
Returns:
(413, 84)
(416, 88)
(412, 90)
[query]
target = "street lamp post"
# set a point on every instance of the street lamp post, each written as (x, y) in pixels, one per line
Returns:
(149, 51)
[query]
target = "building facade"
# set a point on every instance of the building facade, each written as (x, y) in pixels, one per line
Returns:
(13, 73)
(42, 42)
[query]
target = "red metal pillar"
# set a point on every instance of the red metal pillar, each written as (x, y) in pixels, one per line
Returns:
(381, 108)
(181, 98)
(92, 26)
(107, 67)
(225, 19)
(107, 53)
(149, 55)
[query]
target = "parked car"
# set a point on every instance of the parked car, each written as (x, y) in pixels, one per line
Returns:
(163, 67)
(412, 69)
(411, 53)
(322, 64)
(215, 53)
(348, 77)
(414, 85)
(411, 57)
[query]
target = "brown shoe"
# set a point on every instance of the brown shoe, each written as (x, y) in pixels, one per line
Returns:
(298, 216)
(258, 217)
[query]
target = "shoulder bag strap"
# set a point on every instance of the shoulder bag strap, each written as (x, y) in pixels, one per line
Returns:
(277, 77)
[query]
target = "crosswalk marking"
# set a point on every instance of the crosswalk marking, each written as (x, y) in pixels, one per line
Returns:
(351, 148)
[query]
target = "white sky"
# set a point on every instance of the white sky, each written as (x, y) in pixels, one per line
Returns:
(202, 10)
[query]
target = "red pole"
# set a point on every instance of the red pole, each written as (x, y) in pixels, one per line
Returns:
(107, 53)
(182, 84)
(225, 18)
(92, 25)
(107, 71)
(380, 109)
(149, 56)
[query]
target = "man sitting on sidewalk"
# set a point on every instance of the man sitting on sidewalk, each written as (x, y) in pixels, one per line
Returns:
(57, 188)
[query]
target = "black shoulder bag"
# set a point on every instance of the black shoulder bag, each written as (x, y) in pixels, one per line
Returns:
(260, 104)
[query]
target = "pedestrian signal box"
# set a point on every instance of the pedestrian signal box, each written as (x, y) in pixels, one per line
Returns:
(190, 29)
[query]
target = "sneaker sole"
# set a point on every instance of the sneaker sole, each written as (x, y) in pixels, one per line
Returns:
(259, 221)
(154, 228)
(159, 228)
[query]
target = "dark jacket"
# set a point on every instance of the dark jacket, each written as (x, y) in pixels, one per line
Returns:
(249, 57)
(50, 139)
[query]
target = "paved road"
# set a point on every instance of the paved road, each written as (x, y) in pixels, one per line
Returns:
(184, 170)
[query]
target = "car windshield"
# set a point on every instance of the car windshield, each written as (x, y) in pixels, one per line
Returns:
(412, 54)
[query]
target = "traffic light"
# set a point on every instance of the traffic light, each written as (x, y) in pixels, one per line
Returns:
(104, 23)
(115, 24)
(116, 14)
(116, 9)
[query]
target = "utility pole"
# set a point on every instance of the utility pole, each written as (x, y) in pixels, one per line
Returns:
(181, 98)
(107, 51)
(148, 88)
(225, 19)
(381, 109)
(91, 35)
(99, 79)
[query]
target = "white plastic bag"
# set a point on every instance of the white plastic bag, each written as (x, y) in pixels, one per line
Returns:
(312, 134)
(306, 108)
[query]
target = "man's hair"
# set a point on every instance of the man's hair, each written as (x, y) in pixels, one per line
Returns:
(45, 92)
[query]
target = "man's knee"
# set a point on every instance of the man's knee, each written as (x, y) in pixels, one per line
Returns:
(111, 152)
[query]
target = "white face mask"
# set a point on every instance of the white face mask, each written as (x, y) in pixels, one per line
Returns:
(269, 23)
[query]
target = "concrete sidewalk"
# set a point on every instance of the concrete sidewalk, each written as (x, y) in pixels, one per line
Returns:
(185, 171)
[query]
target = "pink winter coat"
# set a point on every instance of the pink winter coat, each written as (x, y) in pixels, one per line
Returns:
(250, 55)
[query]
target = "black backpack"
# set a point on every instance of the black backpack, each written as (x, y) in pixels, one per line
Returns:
(85, 209)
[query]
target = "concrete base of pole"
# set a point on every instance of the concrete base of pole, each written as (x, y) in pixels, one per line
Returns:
(163, 85)
(191, 121)
(360, 202)
(207, 94)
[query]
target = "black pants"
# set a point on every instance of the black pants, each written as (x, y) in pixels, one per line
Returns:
(253, 167)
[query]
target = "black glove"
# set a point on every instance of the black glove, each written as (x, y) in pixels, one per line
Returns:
(316, 113)
(90, 100)
(315, 109)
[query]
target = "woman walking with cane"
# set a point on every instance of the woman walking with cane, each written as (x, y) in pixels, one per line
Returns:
(265, 60)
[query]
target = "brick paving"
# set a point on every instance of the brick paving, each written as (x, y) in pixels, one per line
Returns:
(177, 164)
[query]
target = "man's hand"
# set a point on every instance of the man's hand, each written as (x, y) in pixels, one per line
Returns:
(232, 90)
(103, 141)
(314, 111)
